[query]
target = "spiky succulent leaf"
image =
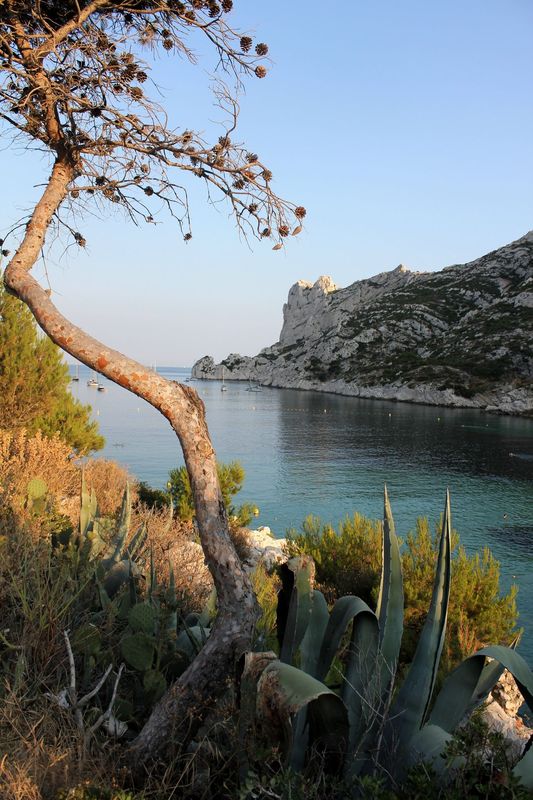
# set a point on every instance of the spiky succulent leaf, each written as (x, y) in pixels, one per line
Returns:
(411, 706)
(427, 746)
(191, 640)
(345, 611)
(209, 610)
(137, 541)
(114, 552)
(294, 604)
(283, 691)
(362, 687)
(455, 697)
(85, 509)
(390, 604)
(314, 635)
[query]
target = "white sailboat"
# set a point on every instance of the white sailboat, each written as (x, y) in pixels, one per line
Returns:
(92, 382)
(76, 377)
(223, 388)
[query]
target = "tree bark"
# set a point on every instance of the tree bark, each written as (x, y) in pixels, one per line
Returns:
(231, 635)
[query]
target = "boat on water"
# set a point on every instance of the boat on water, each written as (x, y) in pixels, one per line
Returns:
(253, 387)
(76, 377)
(223, 388)
(92, 382)
(101, 387)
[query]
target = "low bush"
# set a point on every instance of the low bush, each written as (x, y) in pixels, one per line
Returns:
(231, 478)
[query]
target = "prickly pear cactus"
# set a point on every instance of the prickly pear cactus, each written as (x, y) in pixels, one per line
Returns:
(36, 495)
(138, 650)
(142, 617)
(154, 685)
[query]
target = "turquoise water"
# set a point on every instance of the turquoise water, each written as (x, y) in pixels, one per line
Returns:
(311, 453)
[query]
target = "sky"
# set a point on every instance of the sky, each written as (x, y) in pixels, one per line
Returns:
(405, 129)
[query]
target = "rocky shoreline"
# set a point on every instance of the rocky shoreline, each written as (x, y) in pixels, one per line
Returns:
(459, 338)
(509, 400)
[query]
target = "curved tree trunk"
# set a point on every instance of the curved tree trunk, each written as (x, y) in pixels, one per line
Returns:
(237, 607)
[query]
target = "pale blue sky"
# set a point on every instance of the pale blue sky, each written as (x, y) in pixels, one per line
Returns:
(404, 126)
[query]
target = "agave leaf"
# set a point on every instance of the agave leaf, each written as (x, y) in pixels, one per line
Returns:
(283, 691)
(428, 746)
(458, 691)
(390, 604)
(294, 604)
(524, 769)
(209, 610)
(410, 708)
(152, 578)
(490, 675)
(88, 509)
(346, 610)
(362, 690)
(253, 665)
(191, 640)
(137, 541)
(314, 635)
(116, 544)
(172, 620)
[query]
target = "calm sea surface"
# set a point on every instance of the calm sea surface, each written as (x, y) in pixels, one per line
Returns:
(311, 453)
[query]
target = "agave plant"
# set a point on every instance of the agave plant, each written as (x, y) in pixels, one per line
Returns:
(369, 724)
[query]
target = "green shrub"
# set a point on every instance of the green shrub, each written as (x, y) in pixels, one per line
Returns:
(478, 613)
(347, 560)
(231, 478)
(152, 498)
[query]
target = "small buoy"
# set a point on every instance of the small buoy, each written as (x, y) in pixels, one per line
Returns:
(438, 419)
(325, 411)
(390, 415)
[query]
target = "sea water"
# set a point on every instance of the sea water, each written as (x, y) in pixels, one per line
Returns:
(327, 455)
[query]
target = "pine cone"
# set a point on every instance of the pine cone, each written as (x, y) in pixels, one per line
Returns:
(246, 43)
(260, 71)
(168, 44)
(261, 49)
(300, 212)
(227, 5)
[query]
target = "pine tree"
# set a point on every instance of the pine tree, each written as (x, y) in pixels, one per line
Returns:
(34, 382)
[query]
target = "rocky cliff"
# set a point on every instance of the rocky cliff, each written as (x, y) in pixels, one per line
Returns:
(461, 337)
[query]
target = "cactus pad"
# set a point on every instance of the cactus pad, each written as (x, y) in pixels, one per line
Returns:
(142, 618)
(138, 650)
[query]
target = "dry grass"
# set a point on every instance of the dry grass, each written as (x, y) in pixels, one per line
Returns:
(108, 479)
(175, 543)
(24, 457)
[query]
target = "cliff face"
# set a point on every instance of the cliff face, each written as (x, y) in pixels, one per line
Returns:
(462, 336)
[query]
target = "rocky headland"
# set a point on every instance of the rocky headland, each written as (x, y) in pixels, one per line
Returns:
(461, 337)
